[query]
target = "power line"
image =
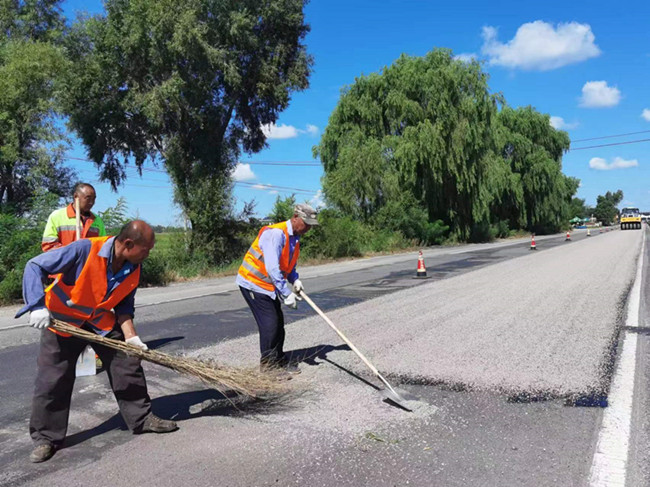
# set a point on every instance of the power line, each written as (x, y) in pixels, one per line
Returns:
(611, 136)
(270, 186)
(282, 163)
(258, 163)
(608, 145)
(241, 183)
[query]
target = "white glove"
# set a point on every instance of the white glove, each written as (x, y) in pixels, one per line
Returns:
(137, 342)
(292, 301)
(297, 286)
(40, 318)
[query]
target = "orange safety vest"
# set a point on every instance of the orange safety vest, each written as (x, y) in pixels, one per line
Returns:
(86, 300)
(252, 268)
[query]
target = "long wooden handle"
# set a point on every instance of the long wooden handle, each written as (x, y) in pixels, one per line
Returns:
(345, 339)
(77, 217)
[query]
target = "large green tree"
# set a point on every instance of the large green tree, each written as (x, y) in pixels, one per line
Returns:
(36, 20)
(538, 195)
(31, 68)
(426, 132)
(423, 126)
(188, 84)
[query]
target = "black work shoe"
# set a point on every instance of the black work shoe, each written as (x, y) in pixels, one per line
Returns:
(154, 424)
(42, 452)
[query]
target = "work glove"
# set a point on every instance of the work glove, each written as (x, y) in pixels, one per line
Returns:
(137, 342)
(292, 301)
(40, 318)
(297, 286)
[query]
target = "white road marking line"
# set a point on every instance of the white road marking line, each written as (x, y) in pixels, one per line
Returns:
(13, 327)
(185, 298)
(609, 464)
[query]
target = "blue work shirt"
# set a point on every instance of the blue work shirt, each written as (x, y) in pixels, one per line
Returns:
(271, 244)
(69, 261)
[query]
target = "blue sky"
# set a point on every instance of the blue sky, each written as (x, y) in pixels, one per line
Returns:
(585, 63)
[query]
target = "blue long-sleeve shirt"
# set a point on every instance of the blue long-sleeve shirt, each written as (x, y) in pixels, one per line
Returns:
(271, 244)
(69, 261)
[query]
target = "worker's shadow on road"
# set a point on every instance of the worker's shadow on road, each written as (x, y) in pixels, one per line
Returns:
(161, 342)
(179, 407)
(309, 355)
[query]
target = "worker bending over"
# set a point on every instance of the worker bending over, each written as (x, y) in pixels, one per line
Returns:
(94, 289)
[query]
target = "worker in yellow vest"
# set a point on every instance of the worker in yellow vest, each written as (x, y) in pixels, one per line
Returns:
(267, 277)
(60, 228)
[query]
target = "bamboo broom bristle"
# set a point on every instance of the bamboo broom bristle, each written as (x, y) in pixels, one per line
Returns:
(250, 383)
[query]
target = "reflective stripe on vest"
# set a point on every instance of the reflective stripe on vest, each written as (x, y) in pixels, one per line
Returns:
(86, 301)
(252, 268)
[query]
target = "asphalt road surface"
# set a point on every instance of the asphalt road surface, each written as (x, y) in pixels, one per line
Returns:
(507, 355)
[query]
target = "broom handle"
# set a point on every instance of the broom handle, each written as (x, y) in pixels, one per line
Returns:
(346, 340)
(77, 217)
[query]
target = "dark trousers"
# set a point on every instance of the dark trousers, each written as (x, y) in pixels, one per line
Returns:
(55, 379)
(270, 321)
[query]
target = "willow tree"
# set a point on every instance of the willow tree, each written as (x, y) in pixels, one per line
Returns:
(187, 84)
(422, 126)
(540, 195)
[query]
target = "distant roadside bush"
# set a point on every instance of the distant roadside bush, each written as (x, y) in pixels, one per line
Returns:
(411, 220)
(18, 244)
(338, 236)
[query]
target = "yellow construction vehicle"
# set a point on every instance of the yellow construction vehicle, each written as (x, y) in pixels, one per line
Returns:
(630, 219)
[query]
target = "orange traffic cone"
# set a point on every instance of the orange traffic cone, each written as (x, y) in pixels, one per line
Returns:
(422, 270)
(532, 242)
(568, 237)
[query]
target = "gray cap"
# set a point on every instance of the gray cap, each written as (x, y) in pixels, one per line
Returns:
(307, 213)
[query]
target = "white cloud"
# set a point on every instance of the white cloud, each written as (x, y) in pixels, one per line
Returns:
(243, 172)
(601, 164)
(261, 186)
(317, 201)
(466, 57)
(596, 94)
(559, 124)
(646, 114)
(282, 131)
(541, 46)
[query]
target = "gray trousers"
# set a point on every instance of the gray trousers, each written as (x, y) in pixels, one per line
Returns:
(55, 379)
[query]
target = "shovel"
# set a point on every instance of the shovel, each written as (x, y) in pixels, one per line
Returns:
(390, 393)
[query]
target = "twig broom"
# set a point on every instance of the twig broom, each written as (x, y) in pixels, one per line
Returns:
(249, 383)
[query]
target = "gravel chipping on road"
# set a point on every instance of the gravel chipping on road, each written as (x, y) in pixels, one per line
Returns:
(542, 324)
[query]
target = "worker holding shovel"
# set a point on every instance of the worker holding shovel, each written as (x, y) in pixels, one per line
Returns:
(267, 277)
(94, 289)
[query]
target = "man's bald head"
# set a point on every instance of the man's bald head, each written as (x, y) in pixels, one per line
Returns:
(137, 238)
(137, 230)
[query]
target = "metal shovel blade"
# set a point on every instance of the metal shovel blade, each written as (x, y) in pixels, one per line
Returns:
(399, 399)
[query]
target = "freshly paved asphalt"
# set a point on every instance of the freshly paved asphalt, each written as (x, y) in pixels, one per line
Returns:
(452, 438)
